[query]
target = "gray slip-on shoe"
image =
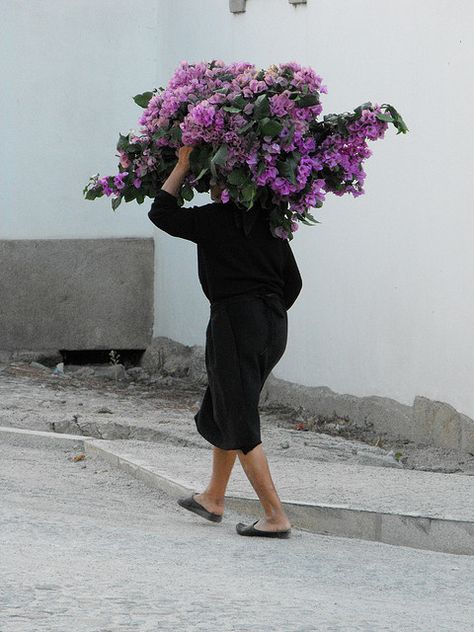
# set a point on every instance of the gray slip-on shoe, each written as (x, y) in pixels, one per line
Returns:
(250, 529)
(195, 507)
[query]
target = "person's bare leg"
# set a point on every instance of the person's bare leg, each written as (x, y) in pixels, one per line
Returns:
(255, 466)
(212, 498)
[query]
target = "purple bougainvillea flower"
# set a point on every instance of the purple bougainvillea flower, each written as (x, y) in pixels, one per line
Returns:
(225, 197)
(257, 131)
(281, 232)
(119, 180)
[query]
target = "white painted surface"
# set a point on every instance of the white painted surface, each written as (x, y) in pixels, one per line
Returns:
(72, 70)
(387, 304)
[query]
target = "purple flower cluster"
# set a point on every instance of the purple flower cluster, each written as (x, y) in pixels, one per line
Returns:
(345, 154)
(267, 122)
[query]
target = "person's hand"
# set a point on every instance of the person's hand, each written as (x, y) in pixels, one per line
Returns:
(183, 156)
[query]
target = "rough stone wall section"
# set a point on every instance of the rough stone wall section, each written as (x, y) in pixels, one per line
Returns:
(426, 422)
(167, 357)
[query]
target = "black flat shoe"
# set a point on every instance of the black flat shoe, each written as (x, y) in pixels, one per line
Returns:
(250, 529)
(195, 507)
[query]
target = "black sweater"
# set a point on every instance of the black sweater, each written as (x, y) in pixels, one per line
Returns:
(229, 262)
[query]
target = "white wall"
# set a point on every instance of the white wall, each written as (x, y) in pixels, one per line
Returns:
(387, 301)
(68, 73)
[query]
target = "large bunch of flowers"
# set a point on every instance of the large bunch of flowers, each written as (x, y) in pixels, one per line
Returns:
(256, 133)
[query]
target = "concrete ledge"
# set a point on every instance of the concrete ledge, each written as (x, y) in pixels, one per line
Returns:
(420, 532)
(36, 438)
(76, 293)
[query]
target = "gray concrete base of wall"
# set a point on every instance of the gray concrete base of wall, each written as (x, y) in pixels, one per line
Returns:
(75, 294)
(425, 422)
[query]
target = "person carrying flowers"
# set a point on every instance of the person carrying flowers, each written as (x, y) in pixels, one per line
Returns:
(251, 279)
(254, 139)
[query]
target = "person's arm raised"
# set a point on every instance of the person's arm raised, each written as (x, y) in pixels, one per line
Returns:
(176, 178)
(192, 223)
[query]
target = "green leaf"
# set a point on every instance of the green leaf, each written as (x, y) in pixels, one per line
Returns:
(175, 133)
(341, 125)
(116, 202)
(232, 109)
(220, 156)
(311, 218)
(262, 107)
(261, 168)
(248, 192)
(159, 133)
(92, 194)
(287, 169)
(398, 122)
(305, 101)
(203, 171)
(134, 148)
(270, 127)
(237, 177)
(123, 142)
(143, 99)
(305, 221)
(291, 133)
(246, 127)
(239, 101)
(384, 117)
(129, 194)
(199, 157)
(187, 192)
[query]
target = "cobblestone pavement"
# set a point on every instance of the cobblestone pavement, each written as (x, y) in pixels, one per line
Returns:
(84, 547)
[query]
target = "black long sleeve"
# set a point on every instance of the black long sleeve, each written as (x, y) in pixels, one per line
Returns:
(198, 224)
(230, 261)
(166, 214)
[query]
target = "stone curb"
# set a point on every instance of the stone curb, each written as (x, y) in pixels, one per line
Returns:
(40, 437)
(446, 535)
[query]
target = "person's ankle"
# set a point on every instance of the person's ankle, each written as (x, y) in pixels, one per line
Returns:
(215, 500)
(277, 518)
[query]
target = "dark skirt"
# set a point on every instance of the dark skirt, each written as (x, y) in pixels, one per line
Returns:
(245, 338)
